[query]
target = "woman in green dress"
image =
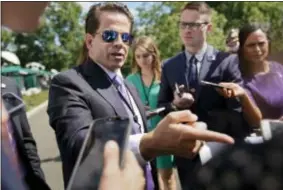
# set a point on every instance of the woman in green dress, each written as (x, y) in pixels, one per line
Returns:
(146, 71)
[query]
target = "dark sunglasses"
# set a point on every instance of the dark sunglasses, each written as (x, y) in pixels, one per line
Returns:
(112, 35)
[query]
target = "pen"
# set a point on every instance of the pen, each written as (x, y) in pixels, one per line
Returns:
(178, 90)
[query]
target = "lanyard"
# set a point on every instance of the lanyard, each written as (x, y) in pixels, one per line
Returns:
(143, 87)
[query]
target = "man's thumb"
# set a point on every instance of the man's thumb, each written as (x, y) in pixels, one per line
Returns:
(111, 156)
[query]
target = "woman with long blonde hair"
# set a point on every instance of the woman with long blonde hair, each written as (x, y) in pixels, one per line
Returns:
(145, 76)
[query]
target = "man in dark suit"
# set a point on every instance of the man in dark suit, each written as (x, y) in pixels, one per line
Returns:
(181, 88)
(21, 139)
(96, 89)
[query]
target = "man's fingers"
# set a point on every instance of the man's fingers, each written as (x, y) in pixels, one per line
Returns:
(132, 171)
(130, 160)
(179, 117)
(111, 157)
(200, 125)
(205, 135)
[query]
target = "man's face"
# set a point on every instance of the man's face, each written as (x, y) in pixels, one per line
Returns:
(113, 54)
(22, 16)
(193, 28)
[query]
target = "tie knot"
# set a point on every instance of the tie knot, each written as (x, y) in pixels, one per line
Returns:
(193, 59)
(117, 81)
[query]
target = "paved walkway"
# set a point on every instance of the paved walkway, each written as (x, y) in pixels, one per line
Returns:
(47, 148)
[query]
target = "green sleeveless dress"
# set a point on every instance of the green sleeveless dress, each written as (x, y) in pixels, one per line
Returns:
(149, 95)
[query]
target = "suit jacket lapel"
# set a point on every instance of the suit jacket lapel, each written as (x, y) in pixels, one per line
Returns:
(92, 72)
(15, 118)
(16, 122)
(16, 127)
(209, 57)
(181, 69)
(138, 103)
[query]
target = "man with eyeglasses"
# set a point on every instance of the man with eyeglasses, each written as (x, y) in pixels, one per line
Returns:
(96, 89)
(181, 87)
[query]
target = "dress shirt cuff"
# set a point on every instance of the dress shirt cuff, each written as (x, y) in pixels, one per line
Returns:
(134, 146)
(205, 154)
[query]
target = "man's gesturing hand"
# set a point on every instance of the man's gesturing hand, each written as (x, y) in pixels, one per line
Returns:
(178, 134)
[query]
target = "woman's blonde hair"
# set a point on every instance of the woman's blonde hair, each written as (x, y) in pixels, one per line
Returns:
(148, 44)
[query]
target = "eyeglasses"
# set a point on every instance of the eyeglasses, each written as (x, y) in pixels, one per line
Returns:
(112, 35)
(191, 25)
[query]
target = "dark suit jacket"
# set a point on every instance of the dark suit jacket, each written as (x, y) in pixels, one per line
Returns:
(245, 166)
(26, 145)
(209, 106)
(76, 98)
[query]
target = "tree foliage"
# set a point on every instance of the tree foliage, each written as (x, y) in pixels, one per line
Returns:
(268, 14)
(56, 43)
(159, 20)
(58, 40)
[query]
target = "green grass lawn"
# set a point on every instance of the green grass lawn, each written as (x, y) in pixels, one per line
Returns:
(35, 100)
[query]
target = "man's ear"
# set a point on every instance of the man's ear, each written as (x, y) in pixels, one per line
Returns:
(209, 27)
(88, 40)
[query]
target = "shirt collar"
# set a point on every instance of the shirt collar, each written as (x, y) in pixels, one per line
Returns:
(111, 74)
(199, 55)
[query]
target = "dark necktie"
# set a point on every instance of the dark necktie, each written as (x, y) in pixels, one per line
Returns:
(193, 75)
(119, 84)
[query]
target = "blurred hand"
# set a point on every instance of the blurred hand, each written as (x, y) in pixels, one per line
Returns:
(281, 118)
(172, 136)
(129, 178)
(183, 100)
(4, 120)
(149, 114)
(147, 108)
(231, 90)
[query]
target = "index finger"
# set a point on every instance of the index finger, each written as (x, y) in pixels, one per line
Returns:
(130, 160)
(191, 133)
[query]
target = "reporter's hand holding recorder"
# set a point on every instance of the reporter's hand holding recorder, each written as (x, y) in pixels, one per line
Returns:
(251, 112)
(182, 98)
